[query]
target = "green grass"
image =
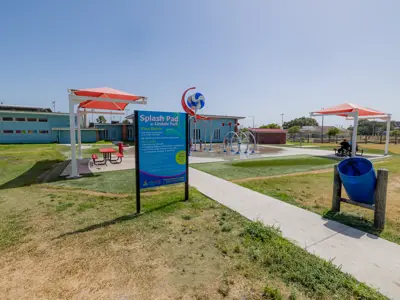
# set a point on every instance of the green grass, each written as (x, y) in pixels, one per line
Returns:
(20, 165)
(265, 167)
(203, 250)
(119, 182)
(314, 191)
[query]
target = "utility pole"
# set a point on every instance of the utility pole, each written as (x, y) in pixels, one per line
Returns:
(54, 106)
(282, 119)
(253, 119)
(322, 130)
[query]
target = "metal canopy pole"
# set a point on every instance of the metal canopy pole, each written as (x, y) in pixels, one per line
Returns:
(354, 140)
(78, 116)
(387, 134)
(74, 167)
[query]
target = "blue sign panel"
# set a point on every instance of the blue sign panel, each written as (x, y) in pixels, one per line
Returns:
(162, 146)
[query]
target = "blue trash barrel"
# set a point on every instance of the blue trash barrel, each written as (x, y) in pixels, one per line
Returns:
(359, 179)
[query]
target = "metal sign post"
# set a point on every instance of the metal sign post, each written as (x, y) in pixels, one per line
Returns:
(161, 150)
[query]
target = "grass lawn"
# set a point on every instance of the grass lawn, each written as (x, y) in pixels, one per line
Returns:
(81, 239)
(264, 167)
(314, 192)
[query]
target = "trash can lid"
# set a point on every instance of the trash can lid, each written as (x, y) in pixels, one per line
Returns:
(355, 166)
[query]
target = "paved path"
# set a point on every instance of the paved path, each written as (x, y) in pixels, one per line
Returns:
(313, 152)
(368, 258)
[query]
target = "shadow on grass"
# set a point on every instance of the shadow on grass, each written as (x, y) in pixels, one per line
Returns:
(116, 220)
(354, 221)
(34, 175)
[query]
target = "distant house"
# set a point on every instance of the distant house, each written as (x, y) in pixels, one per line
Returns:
(269, 136)
(318, 129)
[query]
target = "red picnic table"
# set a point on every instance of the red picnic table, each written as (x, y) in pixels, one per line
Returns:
(107, 153)
(107, 156)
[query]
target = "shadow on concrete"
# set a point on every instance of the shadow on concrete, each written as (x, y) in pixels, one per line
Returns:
(40, 172)
(83, 167)
(359, 225)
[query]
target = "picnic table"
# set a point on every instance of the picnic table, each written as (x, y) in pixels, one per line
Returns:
(107, 153)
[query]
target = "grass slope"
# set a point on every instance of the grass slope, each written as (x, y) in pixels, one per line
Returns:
(314, 192)
(59, 244)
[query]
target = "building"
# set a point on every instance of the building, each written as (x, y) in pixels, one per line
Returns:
(315, 131)
(214, 129)
(23, 124)
(269, 136)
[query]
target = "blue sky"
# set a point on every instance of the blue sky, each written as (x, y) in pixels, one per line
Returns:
(260, 58)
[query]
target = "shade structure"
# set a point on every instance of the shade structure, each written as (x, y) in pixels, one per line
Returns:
(103, 98)
(105, 93)
(346, 108)
(355, 112)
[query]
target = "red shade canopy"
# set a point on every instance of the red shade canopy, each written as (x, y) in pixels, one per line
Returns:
(105, 92)
(344, 109)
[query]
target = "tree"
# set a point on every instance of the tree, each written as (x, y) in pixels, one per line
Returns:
(367, 127)
(293, 130)
(303, 121)
(125, 122)
(333, 131)
(271, 126)
(101, 119)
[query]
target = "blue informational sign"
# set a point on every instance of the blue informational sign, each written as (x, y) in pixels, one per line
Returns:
(162, 144)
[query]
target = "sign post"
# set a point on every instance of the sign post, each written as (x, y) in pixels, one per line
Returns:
(161, 150)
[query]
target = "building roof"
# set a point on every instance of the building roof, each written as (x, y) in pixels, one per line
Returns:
(32, 112)
(267, 130)
(132, 116)
(23, 108)
(223, 117)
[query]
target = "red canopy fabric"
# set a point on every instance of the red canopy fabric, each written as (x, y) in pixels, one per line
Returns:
(105, 92)
(343, 109)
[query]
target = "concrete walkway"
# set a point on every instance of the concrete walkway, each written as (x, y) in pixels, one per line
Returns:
(368, 258)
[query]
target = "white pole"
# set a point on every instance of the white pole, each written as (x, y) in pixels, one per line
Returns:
(387, 135)
(78, 116)
(74, 167)
(354, 141)
(211, 135)
(195, 132)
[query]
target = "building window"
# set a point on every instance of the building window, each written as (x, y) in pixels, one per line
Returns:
(20, 131)
(130, 133)
(8, 131)
(43, 131)
(106, 134)
(196, 134)
(217, 134)
(44, 120)
(8, 119)
(20, 119)
(32, 131)
(31, 119)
